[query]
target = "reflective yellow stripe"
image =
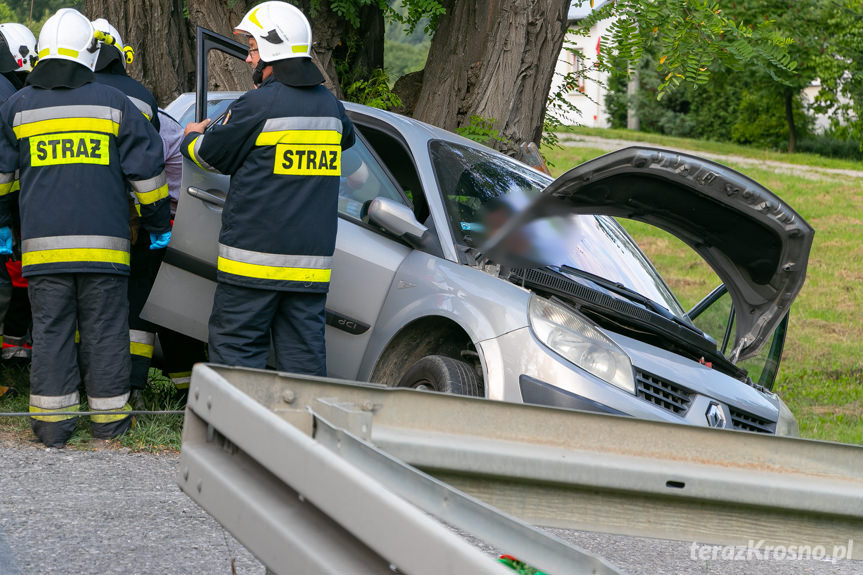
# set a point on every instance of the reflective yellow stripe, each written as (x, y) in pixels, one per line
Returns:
(7, 188)
(44, 52)
(253, 18)
(192, 153)
(74, 255)
(66, 125)
(154, 196)
(67, 52)
(298, 137)
(141, 349)
(112, 416)
(181, 379)
(298, 48)
(273, 273)
(53, 418)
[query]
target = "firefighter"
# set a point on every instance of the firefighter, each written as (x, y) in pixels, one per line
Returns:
(76, 145)
(146, 257)
(282, 145)
(17, 56)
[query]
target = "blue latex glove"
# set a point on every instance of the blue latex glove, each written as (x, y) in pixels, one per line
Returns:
(6, 240)
(157, 241)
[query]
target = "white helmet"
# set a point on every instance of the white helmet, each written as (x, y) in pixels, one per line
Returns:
(111, 36)
(68, 35)
(21, 43)
(280, 29)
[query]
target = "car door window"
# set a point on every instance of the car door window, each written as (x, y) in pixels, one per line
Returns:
(363, 179)
(395, 155)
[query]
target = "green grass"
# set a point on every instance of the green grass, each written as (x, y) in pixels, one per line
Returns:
(152, 433)
(820, 377)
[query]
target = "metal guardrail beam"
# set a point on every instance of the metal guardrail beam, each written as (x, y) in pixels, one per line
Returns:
(301, 507)
(597, 472)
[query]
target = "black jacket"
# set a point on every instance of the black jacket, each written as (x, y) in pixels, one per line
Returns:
(282, 146)
(114, 74)
(76, 148)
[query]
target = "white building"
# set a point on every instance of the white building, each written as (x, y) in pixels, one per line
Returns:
(579, 56)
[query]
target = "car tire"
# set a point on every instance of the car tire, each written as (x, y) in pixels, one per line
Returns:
(443, 374)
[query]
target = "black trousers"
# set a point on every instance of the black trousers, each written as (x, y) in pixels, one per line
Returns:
(144, 266)
(98, 306)
(5, 293)
(244, 320)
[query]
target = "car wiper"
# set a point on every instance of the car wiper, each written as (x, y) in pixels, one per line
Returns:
(628, 293)
(596, 301)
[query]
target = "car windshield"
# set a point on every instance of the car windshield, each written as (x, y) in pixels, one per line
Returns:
(483, 189)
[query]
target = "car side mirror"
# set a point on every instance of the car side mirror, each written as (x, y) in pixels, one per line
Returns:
(397, 219)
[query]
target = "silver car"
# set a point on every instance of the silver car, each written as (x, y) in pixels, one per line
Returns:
(458, 269)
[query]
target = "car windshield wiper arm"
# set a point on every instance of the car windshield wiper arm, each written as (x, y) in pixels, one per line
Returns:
(621, 289)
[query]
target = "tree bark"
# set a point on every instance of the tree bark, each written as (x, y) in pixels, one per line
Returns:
(164, 41)
(494, 59)
(334, 39)
(164, 46)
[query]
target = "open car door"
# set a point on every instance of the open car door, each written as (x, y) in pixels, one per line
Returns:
(182, 296)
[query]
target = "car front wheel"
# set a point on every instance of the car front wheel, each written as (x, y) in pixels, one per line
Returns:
(443, 374)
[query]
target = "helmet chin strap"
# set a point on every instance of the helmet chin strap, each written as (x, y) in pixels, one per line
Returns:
(258, 72)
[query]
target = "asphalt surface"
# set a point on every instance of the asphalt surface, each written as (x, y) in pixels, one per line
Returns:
(102, 512)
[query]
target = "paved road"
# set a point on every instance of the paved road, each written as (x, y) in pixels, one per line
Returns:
(84, 512)
(810, 172)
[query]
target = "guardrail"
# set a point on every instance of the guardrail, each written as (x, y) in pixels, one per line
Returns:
(336, 504)
(546, 466)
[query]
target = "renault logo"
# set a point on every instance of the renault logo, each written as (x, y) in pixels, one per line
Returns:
(715, 415)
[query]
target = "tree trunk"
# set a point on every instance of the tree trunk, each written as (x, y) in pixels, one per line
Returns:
(494, 59)
(164, 45)
(164, 41)
(360, 50)
(789, 117)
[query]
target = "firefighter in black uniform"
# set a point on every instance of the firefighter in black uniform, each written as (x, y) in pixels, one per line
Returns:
(17, 56)
(282, 146)
(76, 144)
(146, 257)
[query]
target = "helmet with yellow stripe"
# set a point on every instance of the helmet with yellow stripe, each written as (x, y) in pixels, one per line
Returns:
(21, 43)
(111, 36)
(69, 35)
(280, 29)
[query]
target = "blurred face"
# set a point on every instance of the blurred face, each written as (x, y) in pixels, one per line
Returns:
(253, 57)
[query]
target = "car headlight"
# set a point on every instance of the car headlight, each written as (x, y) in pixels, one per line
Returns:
(574, 337)
(787, 423)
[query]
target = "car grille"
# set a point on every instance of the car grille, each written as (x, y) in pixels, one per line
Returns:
(748, 422)
(662, 392)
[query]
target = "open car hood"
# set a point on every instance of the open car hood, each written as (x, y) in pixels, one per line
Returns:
(756, 244)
